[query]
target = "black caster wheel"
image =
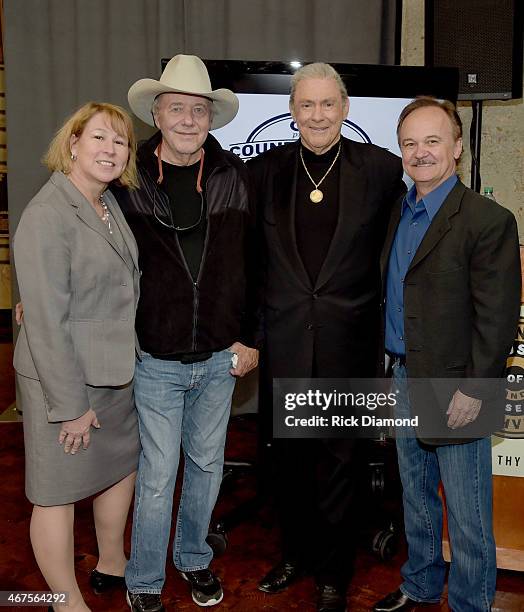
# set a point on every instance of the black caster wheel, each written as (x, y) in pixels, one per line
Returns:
(385, 544)
(228, 478)
(378, 483)
(218, 543)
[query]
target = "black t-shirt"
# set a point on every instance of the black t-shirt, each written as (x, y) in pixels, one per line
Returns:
(188, 208)
(315, 223)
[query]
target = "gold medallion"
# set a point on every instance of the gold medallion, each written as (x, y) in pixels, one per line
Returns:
(316, 196)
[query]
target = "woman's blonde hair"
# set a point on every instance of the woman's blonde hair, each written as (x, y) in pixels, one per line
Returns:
(58, 155)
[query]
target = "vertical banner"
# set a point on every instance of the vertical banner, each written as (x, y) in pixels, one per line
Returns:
(508, 444)
(5, 270)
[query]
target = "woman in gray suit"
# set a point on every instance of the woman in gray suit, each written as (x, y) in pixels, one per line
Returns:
(77, 267)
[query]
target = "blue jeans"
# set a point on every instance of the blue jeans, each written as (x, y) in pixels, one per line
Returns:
(178, 405)
(465, 472)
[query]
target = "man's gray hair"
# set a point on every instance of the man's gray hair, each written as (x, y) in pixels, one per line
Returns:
(154, 106)
(318, 70)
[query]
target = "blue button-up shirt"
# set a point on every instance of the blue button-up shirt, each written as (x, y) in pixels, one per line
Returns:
(415, 219)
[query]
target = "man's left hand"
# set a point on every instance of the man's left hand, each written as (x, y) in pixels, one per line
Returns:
(462, 410)
(247, 359)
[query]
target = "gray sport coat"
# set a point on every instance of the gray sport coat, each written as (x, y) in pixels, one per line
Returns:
(79, 292)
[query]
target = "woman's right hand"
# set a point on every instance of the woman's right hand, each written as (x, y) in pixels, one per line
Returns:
(19, 313)
(76, 432)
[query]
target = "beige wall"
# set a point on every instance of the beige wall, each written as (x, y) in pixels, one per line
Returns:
(502, 150)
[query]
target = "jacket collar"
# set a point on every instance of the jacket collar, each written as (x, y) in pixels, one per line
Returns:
(215, 156)
(88, 215)
(440, 225)
(431, 201)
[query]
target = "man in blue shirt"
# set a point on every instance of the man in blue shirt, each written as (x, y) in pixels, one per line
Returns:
(452, 283)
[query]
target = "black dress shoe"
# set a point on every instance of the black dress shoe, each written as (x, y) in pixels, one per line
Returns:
(396, 602)
(100, 583)
(331, 599)
(280, 577)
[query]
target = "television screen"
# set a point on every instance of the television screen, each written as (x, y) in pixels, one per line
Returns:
(377, 95)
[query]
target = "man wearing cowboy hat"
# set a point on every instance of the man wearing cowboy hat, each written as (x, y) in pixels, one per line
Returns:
(191, 219)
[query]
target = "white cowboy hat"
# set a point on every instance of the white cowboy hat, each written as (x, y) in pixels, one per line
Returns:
(183, 74)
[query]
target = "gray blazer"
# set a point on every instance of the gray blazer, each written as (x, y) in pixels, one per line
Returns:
(79, 292)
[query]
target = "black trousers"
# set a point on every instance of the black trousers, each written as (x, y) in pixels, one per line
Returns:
(317, 492)
(318, 485)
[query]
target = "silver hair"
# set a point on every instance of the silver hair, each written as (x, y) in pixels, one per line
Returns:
(318, 70)
(154, 106)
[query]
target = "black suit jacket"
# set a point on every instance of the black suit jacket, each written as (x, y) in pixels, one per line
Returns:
(461, 305)
(335, 322)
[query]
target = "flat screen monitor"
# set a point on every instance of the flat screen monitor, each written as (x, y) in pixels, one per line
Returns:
(377, 95)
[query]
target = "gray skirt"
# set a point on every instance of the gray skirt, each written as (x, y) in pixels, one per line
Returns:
(54, 478)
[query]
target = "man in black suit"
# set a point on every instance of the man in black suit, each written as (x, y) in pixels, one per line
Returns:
(451, 262)
(323, 205)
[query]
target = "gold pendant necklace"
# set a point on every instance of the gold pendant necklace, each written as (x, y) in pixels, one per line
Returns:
(316, 196)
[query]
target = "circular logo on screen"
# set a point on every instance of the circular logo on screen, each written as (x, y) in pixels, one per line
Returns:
(281, 129)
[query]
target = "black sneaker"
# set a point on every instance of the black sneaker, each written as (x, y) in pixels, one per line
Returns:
(144, 602)
(206, 589)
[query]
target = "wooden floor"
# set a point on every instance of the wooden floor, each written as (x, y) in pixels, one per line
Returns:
(252, 547)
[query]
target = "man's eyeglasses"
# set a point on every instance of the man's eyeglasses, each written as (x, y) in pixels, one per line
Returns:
(168, 216)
